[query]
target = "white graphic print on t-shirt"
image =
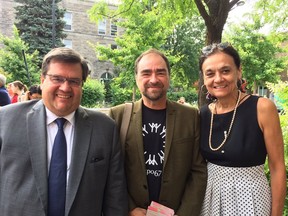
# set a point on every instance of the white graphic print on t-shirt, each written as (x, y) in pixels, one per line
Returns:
(154, 154)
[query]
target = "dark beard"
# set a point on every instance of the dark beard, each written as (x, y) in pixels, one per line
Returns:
(153, 97)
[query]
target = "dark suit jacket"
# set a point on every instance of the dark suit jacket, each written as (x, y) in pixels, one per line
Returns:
(184, 170)
(96, 181)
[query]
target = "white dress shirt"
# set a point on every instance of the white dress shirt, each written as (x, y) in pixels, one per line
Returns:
(52, 129)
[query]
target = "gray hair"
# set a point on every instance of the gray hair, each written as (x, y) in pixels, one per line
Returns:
(2, 80)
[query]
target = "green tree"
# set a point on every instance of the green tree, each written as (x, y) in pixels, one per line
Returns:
(163, 17)
(12, 60)
(172, 14)
(120, 93)
(260, 62)
(35, 24)
(280, 90)
(93, 93)
(279, 21)
(185, 42)
(144, 29)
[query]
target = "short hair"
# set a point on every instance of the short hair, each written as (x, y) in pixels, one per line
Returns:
(2, 80)
(152, 50)
(34, 89)
(66, 55)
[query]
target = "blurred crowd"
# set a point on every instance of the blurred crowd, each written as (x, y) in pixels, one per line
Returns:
(16, 91)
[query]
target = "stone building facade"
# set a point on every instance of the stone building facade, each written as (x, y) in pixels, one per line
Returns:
(7, 17)
(80, 31)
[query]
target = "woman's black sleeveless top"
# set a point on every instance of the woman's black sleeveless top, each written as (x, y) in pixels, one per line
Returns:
(245, 145)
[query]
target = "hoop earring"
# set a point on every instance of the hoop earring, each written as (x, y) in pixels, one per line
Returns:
(201, 89)
(241, 85)
(209, 96)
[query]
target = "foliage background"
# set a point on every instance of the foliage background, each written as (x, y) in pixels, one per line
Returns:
(281, 90)
(35, 22)
(12, 60)
(93, 93)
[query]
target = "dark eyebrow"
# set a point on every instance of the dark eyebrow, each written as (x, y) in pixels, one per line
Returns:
(225, 67)
(157, 70)
(146, 71)
(161, 70)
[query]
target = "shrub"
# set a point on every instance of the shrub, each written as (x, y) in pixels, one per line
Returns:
(191, 96)
(281, 90)
(93, 93)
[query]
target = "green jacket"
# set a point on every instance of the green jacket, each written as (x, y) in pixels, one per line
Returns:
(184, 170)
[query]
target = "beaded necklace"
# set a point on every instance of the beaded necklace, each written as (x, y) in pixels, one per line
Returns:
(230, 127)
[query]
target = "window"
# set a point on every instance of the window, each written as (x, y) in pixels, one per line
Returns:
(102, 27)
(113, 29)
(113, 46)
(106, 77)
(68, 21)
(67, 43)
(262, 91)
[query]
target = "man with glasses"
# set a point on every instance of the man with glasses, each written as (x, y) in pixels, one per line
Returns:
(59, 158)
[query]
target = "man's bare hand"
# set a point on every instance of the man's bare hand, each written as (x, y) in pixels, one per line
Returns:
(138, 212)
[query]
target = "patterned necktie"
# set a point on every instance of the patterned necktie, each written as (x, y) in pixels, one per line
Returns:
(58, 173)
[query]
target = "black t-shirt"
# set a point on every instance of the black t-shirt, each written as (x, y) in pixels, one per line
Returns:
(154, 133)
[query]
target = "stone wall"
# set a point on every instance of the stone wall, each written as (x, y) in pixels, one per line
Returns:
(83, 31)
(7, 17)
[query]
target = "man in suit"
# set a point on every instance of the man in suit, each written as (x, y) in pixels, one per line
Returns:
(162, 159)
(94, 173)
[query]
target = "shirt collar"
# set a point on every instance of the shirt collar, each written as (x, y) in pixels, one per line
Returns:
(51, 117)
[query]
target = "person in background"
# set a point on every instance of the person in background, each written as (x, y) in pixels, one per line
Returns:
(34, 92)
(4, 96)
(12, 95)
(183, 101)
(162, 158)
(19, 89)
(88, 162)
(238, 131)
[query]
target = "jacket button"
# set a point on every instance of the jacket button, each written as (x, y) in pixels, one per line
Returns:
(145, 187)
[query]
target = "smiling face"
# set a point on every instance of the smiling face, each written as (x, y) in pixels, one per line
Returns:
(220, 74)
(61, 99)
(152, 78)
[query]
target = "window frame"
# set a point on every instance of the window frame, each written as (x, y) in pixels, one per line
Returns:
(68, 21)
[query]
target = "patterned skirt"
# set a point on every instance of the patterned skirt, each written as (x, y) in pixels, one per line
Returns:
(236, 191)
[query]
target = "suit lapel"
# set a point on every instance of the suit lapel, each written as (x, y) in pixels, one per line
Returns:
(137, 126)
(81, 144)
(170, 122)
(37, 145)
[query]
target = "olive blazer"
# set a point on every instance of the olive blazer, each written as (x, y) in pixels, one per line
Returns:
(184, 170)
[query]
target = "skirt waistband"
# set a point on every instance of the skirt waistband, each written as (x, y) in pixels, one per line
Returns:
(236, 172)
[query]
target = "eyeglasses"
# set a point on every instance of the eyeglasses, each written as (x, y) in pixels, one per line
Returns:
(58, 80)
(210, 48)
